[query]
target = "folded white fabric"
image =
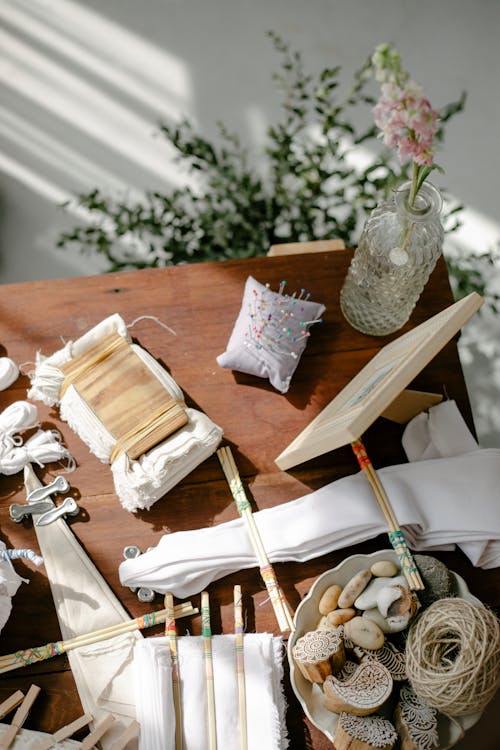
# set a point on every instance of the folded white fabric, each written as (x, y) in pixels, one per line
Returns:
(138, 483)
(264, 698)
(9, 583)
(438, 502)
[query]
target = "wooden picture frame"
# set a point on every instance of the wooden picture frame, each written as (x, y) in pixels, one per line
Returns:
(375, 388)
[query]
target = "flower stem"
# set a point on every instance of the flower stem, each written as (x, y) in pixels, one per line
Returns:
(414, 184)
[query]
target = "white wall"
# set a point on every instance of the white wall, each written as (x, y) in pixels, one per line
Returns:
(83, 85)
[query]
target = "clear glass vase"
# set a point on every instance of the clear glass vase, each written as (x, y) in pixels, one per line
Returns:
(397, 252)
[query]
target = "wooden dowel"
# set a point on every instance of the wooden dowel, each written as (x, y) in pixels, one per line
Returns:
(396, 536)
(63, 733)
(40, 653)
(208, 671)
(240, 667)
(280, 607)
(171, 632)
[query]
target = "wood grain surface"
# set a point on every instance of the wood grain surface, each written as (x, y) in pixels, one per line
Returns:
(200, 303)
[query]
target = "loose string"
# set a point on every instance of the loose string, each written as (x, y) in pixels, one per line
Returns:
(151, 317)
(19, 554)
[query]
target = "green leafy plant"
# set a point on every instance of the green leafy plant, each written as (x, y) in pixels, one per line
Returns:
(308, 188)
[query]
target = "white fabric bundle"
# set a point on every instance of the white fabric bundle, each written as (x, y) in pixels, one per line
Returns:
(9, 372)
(9, 583)
(438, 502)
(41, 448)
(264, 699)
(138, 483)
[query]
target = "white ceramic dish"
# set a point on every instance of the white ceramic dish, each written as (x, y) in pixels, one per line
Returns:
(306, 618)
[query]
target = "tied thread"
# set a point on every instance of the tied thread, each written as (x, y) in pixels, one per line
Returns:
(398, 542)
(17, 554)
(273, 589)
(39, 653)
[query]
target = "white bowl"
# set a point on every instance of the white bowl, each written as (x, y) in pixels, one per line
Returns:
(451, 729)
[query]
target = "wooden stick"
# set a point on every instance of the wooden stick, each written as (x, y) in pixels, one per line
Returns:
(209, 670)
(101, 728)
(244, 509)
(240, 667)
(19, 717)
(40, 653)
(396, 536)
(64, 732)
(171, 632)
(11, 703)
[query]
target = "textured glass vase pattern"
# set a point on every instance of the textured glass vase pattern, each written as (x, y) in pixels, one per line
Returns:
(397, 252)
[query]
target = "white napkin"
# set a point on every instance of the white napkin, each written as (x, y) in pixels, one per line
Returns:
(264, 699)
(9, 583)
(439, 502)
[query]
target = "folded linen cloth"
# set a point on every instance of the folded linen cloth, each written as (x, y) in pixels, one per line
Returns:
(138, 483)
(264, 698)
(439, 503)
(9, 583)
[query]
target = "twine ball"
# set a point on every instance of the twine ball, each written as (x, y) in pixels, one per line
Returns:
(453, 656)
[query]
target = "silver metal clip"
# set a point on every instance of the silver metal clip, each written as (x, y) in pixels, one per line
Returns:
(60, 484)
(68, 507)
(19, 511)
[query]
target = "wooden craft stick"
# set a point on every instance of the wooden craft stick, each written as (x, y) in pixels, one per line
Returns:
(130, 733)
(100, 729)
(63, 733)
(171, 632)
(267, 571)
(19, 717)
(40, 653)
(209, 671)
(240, 667)
(11, 703)
(396, 536)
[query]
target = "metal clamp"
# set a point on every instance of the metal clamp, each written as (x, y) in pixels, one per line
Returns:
(69, 507)
(19, 511)
(60, 484)
(143, 594)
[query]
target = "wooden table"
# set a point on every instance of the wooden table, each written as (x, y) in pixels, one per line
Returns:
(200, 302)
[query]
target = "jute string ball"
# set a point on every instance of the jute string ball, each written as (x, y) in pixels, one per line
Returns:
(453, 656)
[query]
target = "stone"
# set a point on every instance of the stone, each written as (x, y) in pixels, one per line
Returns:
(329, 599)
(439, 581)
(384, 569)
(364, 632)
(368, 598)
(340, 616)
(353, 588)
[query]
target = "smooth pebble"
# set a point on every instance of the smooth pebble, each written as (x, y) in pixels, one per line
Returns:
(384, 569)
(353, 588)
(330, 599)
(364, 632)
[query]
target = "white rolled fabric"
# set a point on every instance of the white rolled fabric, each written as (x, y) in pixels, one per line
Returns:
(439, 503)
(9, 372)
(138, 483)
(265, 703)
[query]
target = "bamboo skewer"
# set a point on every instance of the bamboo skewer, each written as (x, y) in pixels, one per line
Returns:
(396, 536)
(240, 667)
(171, 632)
(244, 509)
(40, 653)
(209, 671)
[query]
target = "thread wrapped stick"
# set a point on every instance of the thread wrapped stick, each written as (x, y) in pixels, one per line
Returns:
(240, 667)
(245, 510)
(396, 536)
(171, 632)
(33, 655)
(206, 633)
